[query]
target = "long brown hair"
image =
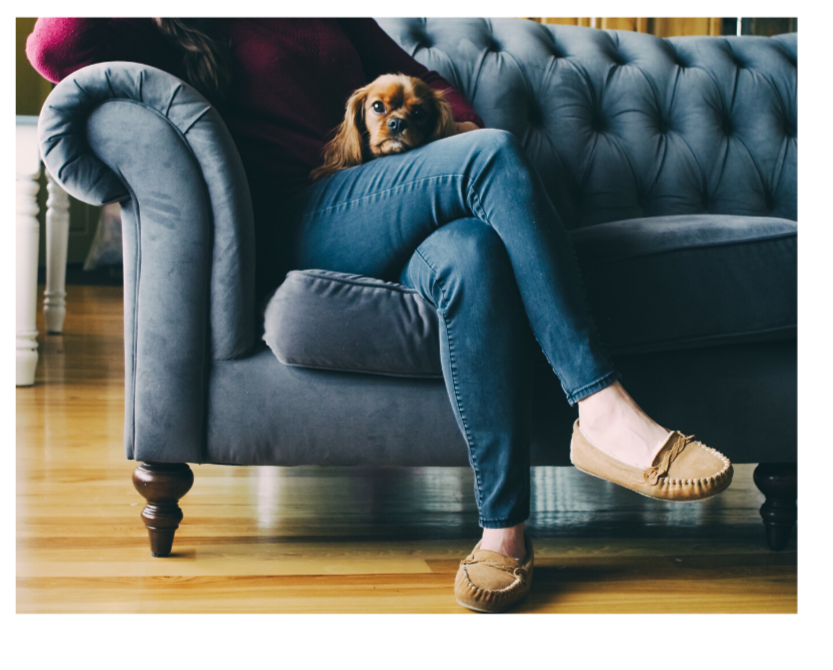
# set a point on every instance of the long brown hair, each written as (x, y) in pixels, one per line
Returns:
(206, 53)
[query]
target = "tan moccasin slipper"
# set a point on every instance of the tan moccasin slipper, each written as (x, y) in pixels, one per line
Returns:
(684, 470)
(491, 582)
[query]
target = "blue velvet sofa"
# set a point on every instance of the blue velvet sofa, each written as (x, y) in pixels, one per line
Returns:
(671, 161)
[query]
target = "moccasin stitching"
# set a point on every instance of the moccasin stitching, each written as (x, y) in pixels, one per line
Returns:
(479, 589)
(689, 482)
(492, 593)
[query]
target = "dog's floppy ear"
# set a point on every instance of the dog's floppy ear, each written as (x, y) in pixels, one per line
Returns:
(346, 149)
(444, 126)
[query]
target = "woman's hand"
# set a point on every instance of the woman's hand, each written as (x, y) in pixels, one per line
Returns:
(466, 126)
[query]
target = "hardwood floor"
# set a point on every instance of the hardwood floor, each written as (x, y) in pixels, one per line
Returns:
(315, 539)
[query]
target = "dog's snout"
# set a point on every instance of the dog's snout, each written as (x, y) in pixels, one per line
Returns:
(397, 125)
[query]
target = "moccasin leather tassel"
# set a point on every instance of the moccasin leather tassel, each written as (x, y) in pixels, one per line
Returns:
(653, 474)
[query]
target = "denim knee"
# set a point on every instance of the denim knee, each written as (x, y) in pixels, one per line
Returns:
(497, 137)
(503, 170)
(500, 142)
(471, 251)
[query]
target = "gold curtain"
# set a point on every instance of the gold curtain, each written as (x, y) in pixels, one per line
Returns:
(661, 27)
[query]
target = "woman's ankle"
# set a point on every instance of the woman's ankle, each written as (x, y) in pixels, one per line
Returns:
(604, 407)
(611, 420)
(506, 541)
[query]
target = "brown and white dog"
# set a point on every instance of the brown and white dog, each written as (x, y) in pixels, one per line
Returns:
(392, 114)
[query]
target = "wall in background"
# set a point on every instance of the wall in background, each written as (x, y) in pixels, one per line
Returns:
(768, 27)
(30, 88)
(30, 92)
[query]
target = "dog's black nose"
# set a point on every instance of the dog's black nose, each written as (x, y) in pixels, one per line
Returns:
(397, 125)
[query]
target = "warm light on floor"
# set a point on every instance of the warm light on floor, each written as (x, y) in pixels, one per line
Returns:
(316, 539)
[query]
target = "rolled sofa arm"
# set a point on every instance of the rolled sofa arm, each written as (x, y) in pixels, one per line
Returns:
(131, 133)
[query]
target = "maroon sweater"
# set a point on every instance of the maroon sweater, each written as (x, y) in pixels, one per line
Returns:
(290, 81)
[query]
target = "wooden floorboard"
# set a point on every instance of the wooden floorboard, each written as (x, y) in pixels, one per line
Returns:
(324, 539)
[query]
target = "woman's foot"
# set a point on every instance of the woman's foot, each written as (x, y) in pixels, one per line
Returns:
(615, 440)
(489, 581)
(612, 421)
(506, 541)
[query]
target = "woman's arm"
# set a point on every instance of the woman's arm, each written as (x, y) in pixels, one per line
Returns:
(59, 47)
(381, 55)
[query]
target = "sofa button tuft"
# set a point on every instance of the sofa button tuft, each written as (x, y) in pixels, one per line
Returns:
(728, 128)
(598, 122)
(618, 58)
(533, 117)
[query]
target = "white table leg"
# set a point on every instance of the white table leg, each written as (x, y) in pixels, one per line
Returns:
(57, 239)
(26, 250)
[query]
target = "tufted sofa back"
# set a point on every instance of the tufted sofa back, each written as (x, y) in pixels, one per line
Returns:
(625, 125)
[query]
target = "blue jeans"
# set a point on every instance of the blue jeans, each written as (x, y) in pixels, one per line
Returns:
(467, 223)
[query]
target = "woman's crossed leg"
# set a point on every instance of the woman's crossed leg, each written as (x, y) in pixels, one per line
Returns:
(467, 222)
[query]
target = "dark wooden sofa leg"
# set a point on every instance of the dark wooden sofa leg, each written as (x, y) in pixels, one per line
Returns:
(779, 483)
(162, 485)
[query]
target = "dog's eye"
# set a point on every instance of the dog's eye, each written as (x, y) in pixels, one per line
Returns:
(419, 112)
(378, 107)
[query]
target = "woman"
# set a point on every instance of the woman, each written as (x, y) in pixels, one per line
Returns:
(465, 221)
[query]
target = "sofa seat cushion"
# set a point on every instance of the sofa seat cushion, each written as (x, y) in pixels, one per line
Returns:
(674, 282)
(337, 321)
(654, 284)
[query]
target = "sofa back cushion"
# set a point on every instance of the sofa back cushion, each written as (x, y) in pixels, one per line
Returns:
(624, 125)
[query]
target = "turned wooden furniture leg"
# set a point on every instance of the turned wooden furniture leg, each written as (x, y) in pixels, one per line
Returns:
(162, 485)
(779, 483)
(57, 240)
